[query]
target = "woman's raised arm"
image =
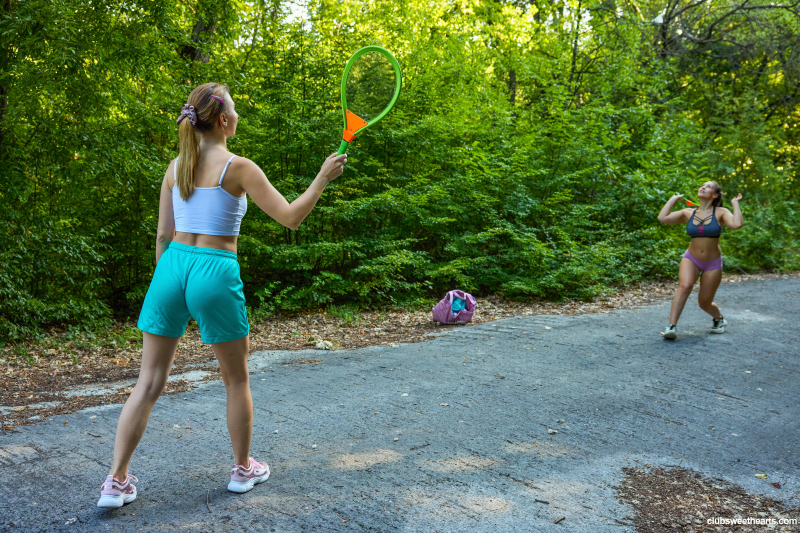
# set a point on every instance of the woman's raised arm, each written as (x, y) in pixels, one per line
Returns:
(733, 220)
(269, 200)
(667, 216)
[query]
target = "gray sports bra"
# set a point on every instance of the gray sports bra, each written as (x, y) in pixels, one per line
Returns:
(706, 228)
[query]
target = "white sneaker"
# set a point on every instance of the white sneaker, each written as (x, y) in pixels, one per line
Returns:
(243, 479)
(719, 325)
(114, 493)
(670, 333)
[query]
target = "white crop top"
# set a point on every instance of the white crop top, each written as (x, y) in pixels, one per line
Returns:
(209, 210)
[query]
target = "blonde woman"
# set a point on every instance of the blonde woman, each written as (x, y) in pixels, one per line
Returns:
(203, 200)
(703, 258)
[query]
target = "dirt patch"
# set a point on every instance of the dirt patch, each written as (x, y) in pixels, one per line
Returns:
(679, 500)
(24, 415)
(37, 372)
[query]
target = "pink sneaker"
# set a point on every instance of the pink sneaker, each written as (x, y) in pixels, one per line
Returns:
(243, 479)
(114, 493)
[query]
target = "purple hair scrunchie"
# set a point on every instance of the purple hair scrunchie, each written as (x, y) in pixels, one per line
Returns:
(188, 111)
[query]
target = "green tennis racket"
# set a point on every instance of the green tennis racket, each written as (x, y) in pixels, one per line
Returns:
(370, 84)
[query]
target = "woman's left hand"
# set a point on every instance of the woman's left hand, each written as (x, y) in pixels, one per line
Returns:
(736, 200)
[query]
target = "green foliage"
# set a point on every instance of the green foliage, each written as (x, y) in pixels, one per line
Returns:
(530, 151)
(48, 275)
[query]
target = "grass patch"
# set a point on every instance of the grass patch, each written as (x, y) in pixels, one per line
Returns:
(349, 313)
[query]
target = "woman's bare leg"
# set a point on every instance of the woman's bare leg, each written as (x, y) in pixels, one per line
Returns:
(709, 283)
(157, 355)
(232, 357)
(687, 275)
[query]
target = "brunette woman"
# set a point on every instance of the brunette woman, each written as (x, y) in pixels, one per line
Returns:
(704, 256)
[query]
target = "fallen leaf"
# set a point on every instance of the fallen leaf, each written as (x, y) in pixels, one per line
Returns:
(552, 431)
(761, 476)
(445, 404)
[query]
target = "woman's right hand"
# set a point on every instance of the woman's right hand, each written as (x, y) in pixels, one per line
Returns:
(676, 197)
(333, 167)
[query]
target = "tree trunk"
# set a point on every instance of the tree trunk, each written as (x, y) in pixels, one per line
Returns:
(512, 86)
(3, 104)
(6, 9)
(203, 33)
(575, 44)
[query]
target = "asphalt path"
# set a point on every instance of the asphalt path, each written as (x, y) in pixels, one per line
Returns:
(449, 435)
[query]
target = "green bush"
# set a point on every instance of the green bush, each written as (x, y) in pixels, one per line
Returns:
(48, 276)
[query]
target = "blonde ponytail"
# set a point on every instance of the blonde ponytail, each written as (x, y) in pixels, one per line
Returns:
(204, 106)
(187, 160)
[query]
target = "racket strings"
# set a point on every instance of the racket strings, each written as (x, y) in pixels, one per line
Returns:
(370, 86)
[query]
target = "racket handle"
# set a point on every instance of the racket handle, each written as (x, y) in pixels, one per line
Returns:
(343, 147)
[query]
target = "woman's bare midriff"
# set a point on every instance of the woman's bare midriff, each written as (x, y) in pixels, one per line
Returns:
(220, 242)
(705, 248)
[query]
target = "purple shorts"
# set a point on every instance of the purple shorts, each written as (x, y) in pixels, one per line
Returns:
(704, 266)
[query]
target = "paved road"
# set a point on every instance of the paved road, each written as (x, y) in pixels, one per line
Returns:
(470, 411)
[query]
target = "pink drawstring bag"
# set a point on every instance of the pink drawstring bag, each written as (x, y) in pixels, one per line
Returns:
(443, 311)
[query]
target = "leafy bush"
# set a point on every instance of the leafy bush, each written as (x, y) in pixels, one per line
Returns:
(48, 275)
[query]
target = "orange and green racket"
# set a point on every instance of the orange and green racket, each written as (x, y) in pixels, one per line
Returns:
(689, 203)
(371, 83)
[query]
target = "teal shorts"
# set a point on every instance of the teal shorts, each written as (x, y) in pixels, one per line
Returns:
(204, 283)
